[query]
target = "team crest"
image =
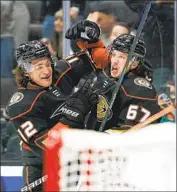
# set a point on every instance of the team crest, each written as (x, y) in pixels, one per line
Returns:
(17, 97)
(102, 108)
(143, 83)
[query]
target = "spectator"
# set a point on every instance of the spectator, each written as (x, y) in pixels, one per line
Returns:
(107, 13)
(7, 42)
(106, 20)
(74, 12)
(119, 29)
(159, 38)
(57, 39)
(22, 21)
(50, 7)
(55, 44)
(166, 97)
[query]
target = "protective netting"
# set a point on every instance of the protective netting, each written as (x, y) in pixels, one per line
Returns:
(144, 160)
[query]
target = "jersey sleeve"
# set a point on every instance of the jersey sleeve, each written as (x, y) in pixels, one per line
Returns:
(71, 69)
(26, 111)
(31, 127)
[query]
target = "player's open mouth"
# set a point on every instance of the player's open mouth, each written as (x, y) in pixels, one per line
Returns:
(47, 77)
(114, 69)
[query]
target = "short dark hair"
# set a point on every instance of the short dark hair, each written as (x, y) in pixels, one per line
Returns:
(105, 7)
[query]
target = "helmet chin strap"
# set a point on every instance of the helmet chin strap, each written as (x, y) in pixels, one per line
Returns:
(27, 80)
(134, 62)
(33, 83)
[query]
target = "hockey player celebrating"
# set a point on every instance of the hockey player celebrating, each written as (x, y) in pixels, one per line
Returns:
(42, 100)
(136, 99)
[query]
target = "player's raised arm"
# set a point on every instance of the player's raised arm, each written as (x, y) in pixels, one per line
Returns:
(87, 34)
(93, 55)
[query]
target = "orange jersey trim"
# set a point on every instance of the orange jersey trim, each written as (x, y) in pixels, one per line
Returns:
(136, 97)
(25, 146)
(39, 138)
(62, 75)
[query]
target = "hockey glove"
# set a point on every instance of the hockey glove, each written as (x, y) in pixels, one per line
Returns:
(84, 30)
(103, 83)
(78, 106)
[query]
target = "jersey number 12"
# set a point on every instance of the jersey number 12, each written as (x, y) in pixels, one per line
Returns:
(27, 130)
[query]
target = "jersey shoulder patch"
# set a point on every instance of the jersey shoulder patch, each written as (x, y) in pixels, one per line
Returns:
(17, 97)
(22, 102)
(142, 82)
(138, 87)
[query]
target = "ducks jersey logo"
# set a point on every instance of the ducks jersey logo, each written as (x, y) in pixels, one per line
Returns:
(102, 108)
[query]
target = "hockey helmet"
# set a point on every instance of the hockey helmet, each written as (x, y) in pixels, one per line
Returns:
(27, 52)
(124, 42)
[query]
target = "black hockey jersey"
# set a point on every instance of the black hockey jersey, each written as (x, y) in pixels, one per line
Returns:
(34, 112)
(134, 103)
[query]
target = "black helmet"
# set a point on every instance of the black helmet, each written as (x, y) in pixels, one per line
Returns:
(27, 52)
(124, 42)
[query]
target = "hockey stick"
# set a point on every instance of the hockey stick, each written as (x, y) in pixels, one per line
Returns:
(154, 117)
(135, 41)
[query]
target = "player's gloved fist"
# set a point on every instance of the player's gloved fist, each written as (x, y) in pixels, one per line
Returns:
(78, 106)
(84, 30)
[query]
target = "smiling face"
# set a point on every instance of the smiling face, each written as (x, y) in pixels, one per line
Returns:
(41, 72)
(118, 60)
(58, 24)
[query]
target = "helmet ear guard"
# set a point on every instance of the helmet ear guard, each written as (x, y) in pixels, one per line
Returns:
(25, 81)
(134, 62)
(145, 70)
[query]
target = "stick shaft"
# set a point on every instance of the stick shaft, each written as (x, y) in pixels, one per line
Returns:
(154, 117)
(117, 87)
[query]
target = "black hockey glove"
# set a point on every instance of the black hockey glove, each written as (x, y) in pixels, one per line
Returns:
(103, 83)
(78, 106)
(84, 30)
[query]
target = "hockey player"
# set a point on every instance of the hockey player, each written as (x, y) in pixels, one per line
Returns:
(137, 97)
(42, 100)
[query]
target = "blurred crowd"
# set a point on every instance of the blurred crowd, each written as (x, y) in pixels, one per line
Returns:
(29, 20)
